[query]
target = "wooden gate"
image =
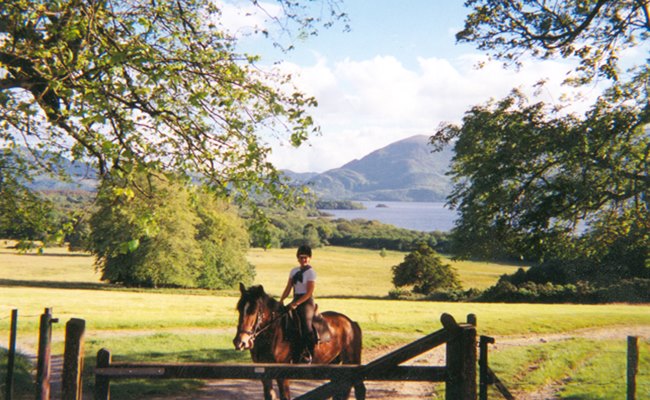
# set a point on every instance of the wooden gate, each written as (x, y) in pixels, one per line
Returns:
(459, 373)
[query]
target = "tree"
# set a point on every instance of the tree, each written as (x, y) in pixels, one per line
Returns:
(24, 215)
(168, 235)
(424, 269)
(131, 84)
(593, 31)
(527, 175)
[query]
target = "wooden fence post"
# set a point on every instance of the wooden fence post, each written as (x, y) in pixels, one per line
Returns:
(632, 366)
(73, 360)
(44, 353)
(484, 376)
(103, 383)
(461, 364)
(11, 355)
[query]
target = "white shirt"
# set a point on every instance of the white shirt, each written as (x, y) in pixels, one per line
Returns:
(300, 288)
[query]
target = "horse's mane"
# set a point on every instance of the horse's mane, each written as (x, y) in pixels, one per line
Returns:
(255, 293)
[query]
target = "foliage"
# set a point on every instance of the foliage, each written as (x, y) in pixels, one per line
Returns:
(305, 225)
(338, 205)
(424, 269)
(24, 215)
(23, 385)
(525, 177)
(131, 84)
(513, 290)
(566, 191)
(167, 235)
(595, 32)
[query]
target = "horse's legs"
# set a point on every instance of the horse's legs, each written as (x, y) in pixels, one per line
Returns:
(285, 392)
(268, 389)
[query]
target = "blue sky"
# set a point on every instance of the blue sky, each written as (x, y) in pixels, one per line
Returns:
(397, 73)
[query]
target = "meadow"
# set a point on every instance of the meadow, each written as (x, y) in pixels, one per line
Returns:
(197, 325)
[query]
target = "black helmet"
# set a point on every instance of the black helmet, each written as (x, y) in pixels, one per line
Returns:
(304, 250)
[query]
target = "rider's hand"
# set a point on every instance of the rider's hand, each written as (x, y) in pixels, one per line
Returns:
(292, 306)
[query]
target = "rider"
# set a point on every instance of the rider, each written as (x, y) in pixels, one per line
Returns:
(303, 281)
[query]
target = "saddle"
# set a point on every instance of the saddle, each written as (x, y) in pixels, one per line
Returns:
(321, 328)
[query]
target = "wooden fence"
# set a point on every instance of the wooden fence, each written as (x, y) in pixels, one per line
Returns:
(459, 374)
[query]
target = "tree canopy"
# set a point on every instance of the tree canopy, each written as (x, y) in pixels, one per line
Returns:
(424, 270)
(160, 85)
(593, 31)
(533, 181)
(171, 234)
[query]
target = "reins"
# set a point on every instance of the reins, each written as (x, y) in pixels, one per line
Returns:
(257, 330)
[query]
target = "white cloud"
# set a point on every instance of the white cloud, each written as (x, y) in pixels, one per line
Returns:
(365, 105)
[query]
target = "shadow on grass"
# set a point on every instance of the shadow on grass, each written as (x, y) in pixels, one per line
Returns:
(57, 284)
(113, 287)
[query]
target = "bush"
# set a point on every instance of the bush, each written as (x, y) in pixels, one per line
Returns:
(424, 270)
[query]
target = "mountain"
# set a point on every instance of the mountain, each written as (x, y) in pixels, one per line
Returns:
(406, 170)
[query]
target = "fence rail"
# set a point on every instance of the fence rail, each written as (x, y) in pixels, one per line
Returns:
(459, 374)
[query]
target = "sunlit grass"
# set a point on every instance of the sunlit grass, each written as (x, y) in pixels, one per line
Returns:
(576, 369)
(198, 325)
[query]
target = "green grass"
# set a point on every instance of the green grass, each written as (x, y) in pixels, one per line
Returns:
(340, 270)
(198, 325)
(579, 369)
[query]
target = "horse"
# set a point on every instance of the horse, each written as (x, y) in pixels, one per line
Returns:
(260, 330)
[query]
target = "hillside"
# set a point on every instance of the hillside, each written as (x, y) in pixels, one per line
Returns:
(406, 170)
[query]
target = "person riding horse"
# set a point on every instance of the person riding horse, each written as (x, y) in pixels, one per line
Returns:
(302, 280)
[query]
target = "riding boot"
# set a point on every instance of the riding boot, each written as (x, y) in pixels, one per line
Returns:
(308, 349)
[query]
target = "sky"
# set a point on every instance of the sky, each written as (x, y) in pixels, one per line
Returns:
(397, 73)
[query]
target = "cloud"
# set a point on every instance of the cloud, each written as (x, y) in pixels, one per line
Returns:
(365, 105)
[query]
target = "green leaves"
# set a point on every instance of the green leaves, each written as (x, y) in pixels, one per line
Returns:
(156, 85)
(593, 31)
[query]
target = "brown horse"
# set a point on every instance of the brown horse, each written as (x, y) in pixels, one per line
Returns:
(260, 331)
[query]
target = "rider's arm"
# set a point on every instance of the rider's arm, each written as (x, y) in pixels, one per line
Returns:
(311, 285)
(287, 290)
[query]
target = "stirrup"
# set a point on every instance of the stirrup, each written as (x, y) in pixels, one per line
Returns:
(305, 357)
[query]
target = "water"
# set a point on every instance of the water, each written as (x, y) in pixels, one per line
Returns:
(425, 217)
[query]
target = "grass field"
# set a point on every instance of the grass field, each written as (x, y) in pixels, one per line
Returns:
(175, 325)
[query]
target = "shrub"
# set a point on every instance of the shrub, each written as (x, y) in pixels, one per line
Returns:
(424, 270)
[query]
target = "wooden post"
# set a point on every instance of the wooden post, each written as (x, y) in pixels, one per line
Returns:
(73, 360)
(103, 383)
(44, 351)
(471, 319)
(632, 366)
(461, 364)
(11, 355)
(484, 377)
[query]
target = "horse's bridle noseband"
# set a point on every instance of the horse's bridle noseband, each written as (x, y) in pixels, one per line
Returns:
(257, 330)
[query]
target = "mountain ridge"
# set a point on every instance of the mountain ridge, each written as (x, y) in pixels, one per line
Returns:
(406, 170)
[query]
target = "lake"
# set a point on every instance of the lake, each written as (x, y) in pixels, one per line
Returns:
(424, 217)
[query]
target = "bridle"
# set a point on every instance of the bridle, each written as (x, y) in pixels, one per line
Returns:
(258, 328)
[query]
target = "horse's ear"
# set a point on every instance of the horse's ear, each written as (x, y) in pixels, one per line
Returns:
(242, 288)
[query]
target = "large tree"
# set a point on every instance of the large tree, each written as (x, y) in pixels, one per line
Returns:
(147, 84)
(171, 234)
(527, 174)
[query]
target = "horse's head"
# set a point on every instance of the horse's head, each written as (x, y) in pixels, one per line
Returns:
(250, 315)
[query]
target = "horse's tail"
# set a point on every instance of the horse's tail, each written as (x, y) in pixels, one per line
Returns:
(357, 343)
